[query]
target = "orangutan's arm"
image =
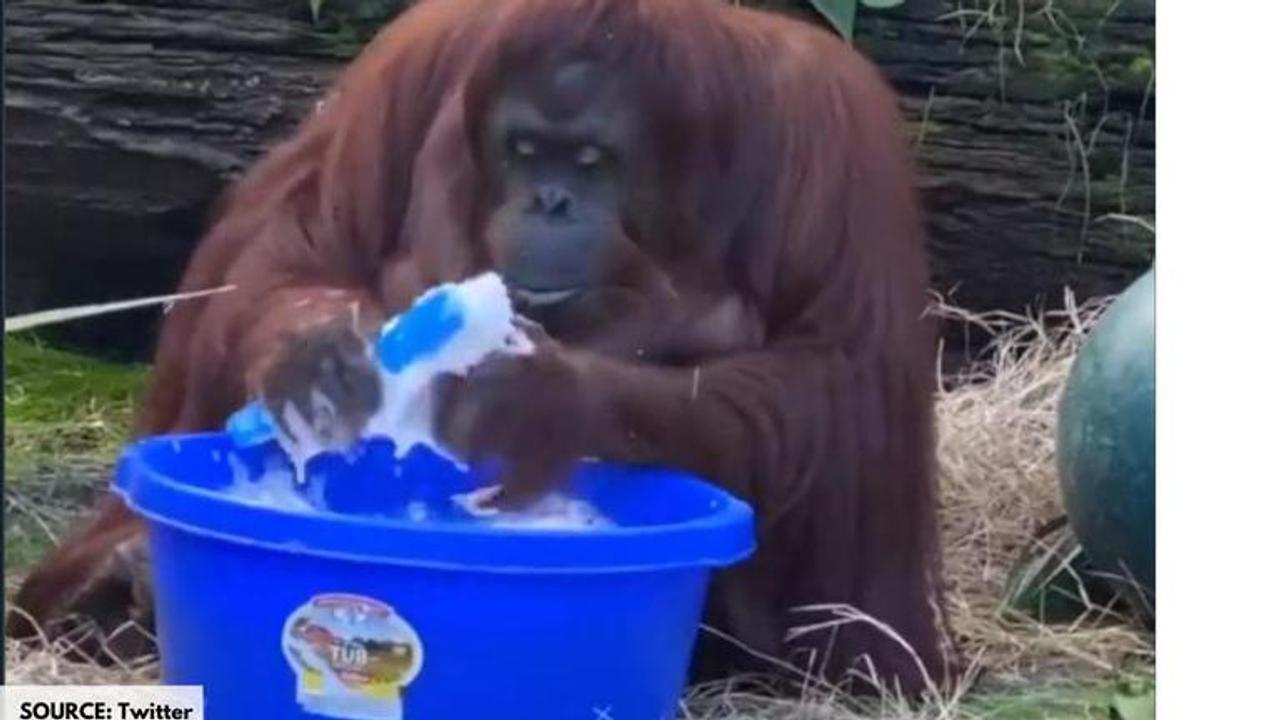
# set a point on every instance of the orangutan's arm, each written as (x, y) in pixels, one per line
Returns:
(737, 420)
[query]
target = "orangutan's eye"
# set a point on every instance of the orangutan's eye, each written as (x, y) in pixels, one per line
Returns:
(524, 147)
(589, 155)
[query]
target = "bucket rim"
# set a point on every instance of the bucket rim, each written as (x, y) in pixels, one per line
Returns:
(721, 537)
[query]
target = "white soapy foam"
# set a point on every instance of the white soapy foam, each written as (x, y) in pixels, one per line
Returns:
(275, 488)
(304, 444)
(407, 414)
(555, 511)
(418, 511)
(406, 417)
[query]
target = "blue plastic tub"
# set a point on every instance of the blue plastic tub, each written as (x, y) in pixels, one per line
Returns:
(365, 613)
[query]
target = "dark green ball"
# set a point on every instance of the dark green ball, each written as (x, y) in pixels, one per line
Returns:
(1106, 443)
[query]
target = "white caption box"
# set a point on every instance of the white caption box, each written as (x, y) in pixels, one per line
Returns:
(102, 702)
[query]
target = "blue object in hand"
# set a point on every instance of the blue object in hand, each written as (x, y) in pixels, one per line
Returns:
(421, 330)
(251, 425)
(426, 327)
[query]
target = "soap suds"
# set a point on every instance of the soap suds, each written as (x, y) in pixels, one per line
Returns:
(300, 441)
(407, 415)
(448, 331)
(418, 512)
(274, 488)
(553, 512)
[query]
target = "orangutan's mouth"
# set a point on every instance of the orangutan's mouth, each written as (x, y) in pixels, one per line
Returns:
(542, 298)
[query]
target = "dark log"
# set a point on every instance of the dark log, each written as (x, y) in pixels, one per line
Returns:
(125, 120)
(1032, 133)
(123, 123)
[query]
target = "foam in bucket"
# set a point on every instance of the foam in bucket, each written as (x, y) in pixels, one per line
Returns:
(554, 511)
(448, 330)
(274, 487)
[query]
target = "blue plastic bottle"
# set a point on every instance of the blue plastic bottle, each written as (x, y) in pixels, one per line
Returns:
(437, 317)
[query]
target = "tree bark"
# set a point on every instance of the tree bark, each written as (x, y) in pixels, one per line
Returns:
(124, 121)
(1032, 133)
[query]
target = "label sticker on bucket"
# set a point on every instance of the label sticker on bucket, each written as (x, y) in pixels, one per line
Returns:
(352, 655)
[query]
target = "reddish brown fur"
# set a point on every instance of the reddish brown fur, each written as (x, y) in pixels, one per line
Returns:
(788, 189)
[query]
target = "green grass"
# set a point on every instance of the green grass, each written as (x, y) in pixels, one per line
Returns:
(66, 417)
(45, 385)
(1126, 699)
(1127, 696)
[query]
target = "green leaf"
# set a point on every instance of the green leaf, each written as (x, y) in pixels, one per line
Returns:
(1053, 582)
(1134, 707)
(839, 13)
(315, 9)
(1046, 584)
(882, 4)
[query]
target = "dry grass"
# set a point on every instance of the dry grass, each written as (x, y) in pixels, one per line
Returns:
(59, 662)
(998, 482)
